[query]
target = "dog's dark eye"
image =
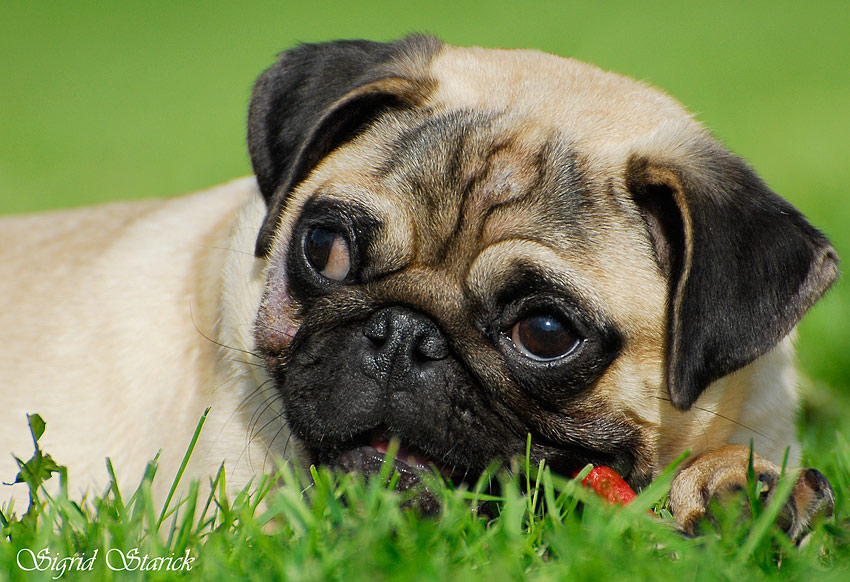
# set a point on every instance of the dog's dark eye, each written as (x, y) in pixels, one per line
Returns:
(543, 337)
(328, 253)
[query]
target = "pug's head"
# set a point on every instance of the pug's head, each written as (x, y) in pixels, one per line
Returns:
(467, 246)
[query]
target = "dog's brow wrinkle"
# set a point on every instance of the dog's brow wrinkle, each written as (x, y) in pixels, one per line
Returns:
(446, 163)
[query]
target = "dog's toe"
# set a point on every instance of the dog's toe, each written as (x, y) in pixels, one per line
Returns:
(720, 474)
(811, 498)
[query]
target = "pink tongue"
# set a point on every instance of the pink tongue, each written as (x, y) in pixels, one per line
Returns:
(412, 458)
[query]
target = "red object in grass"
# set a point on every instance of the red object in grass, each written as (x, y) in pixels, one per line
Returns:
(608, 484)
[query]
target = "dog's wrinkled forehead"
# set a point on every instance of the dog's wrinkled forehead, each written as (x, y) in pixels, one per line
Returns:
(469, 179)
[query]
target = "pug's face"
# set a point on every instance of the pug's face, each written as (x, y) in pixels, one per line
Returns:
(463, 252)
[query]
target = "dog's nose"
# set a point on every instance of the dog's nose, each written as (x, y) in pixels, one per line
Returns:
(402, 341)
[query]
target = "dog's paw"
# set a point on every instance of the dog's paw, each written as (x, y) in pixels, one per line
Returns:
(721, 473)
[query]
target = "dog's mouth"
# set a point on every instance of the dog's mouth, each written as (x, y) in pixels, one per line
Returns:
(367, 455)
(407, 456)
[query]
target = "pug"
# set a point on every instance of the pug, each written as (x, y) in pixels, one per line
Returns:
(451, 247)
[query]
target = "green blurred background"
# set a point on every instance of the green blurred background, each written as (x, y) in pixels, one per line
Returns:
(101, 101)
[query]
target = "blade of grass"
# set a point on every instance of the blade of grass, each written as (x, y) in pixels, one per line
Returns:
(188, 518)
(752, 485)
(136, 500)
(552, 508)
(572, 492)
(659, 487)
(210, 497)
(182, 468)
(113, 486)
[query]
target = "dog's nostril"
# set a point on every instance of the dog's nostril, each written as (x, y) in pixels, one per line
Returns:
(433, 346)
(377, 328)
(399, 331)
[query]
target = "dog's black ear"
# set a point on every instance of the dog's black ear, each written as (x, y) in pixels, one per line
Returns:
(318, 96)
(743, 264)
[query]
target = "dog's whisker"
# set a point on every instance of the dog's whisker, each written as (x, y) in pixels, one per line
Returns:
(232, 250)
(270, 448)
(286, 446)
(260, 390)
(255, 431)
(260, 429)
(253, 364)
(724, 417)
(254, 427)
(220, 344)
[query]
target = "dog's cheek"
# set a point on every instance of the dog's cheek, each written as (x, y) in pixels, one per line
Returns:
(276, 323)
(326, 396)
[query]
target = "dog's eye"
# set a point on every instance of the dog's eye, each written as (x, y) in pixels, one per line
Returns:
(543, 337)
(328, 253)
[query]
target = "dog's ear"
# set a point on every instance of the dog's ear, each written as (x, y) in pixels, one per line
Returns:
(318, 96)
(743, 264)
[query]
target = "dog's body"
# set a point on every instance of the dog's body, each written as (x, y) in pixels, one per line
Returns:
(109, 332)
(457, 247)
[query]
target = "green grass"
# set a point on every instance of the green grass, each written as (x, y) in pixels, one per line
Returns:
(342, 527)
